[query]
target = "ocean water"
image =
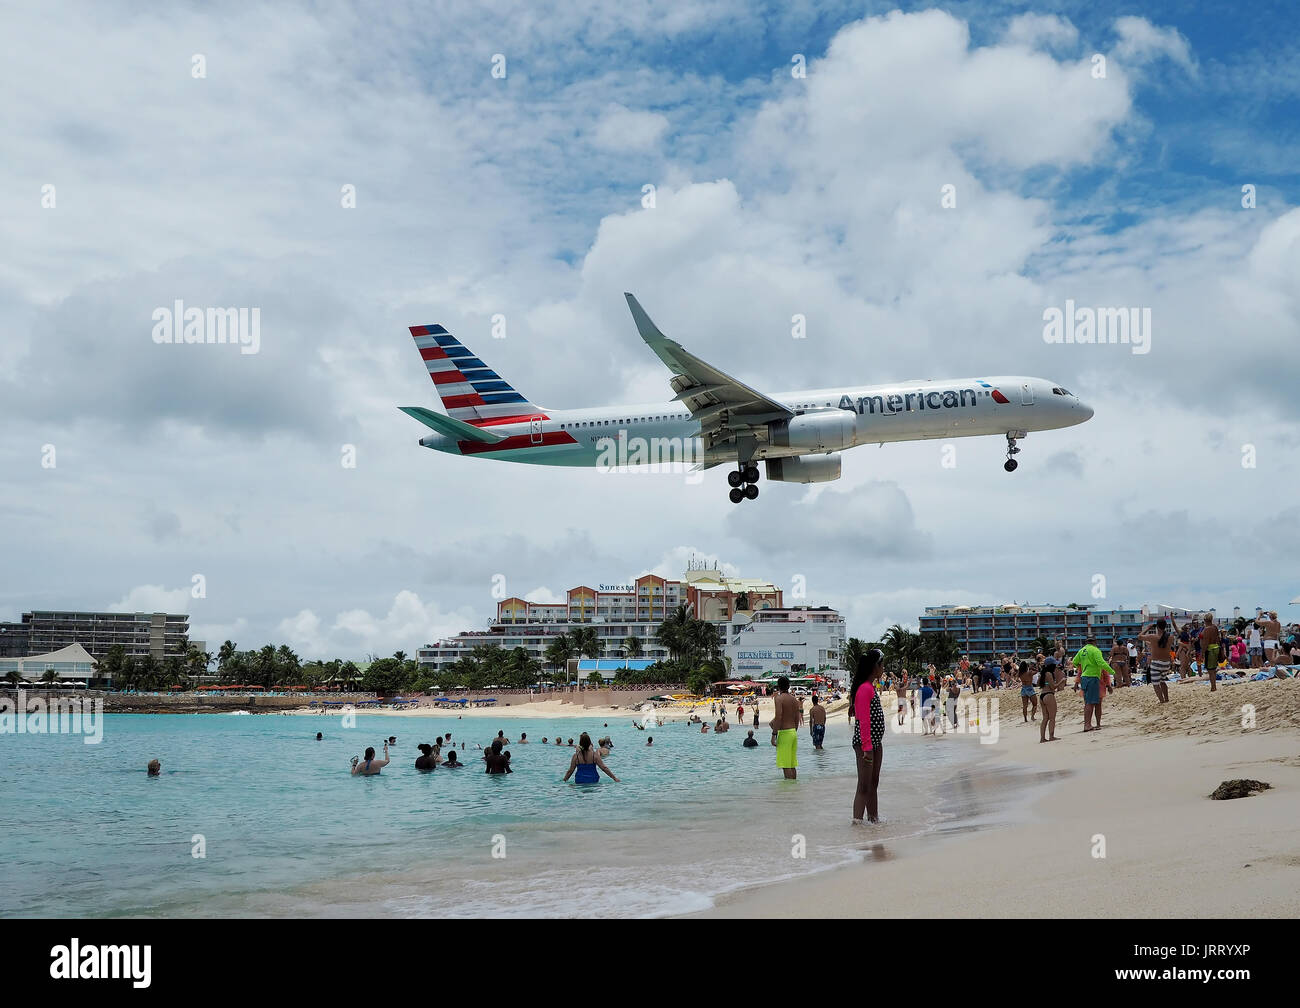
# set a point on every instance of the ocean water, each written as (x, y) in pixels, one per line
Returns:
(285, 830)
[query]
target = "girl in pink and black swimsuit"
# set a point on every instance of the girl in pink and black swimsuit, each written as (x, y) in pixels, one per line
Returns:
(864, 701)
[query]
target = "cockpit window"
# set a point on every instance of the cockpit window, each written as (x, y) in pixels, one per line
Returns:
(1060, 391)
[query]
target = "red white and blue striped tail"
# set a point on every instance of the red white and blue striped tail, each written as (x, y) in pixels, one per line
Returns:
(470, 390)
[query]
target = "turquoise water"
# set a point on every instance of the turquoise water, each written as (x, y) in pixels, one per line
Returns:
(288, 832)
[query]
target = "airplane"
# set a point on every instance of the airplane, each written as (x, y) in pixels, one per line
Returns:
(713, 419)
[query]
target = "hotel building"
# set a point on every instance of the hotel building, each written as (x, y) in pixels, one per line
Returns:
(619, 611)
(785, 642)
(989, 630)
(139, 634)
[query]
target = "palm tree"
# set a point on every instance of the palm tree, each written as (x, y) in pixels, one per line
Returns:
(146, 672)
(855, 651)
(898, 645)
(558, 653)
(632, 647)
(112, 666)
(1043, 644)
(50, 677)
(587, 642)
(940, 648)
(672, 632)
(264, 665)
(223, 656)
(703, 639)
(13, 678)
(287, 665)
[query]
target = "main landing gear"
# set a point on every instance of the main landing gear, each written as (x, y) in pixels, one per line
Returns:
(1010, 464)
(744, 483)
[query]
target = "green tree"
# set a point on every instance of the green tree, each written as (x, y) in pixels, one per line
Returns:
(595, 680)
(941, 648)
(50, 677)
(558, 653)
(587, 642)
(287, 666)
(265, 666)
(147, 673)
(13, 678)
(387, 675)
(899, 647)
(673, 632)
(631, 647)
(112, 668)
(223, 656)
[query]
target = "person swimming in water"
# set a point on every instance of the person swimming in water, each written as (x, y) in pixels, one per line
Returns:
(319, 736)
(452, 763)
(427, 761)
(371, 766)
(155, 768)
(496, 761)
(586, 761)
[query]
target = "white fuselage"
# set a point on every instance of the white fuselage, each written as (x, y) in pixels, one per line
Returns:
(899, 411)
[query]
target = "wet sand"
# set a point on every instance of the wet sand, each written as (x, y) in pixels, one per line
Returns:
(1116, 822)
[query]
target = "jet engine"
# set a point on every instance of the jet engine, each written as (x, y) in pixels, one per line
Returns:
(804, 468)
(831, 430)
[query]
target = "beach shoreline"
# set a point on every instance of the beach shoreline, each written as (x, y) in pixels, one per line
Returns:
(1124, 826)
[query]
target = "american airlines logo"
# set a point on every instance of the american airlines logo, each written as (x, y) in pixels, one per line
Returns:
(906, 402)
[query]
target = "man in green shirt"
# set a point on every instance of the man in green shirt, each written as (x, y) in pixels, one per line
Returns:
(1090, 662)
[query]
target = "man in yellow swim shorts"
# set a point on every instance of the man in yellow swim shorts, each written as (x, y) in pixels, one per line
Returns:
(785, 729)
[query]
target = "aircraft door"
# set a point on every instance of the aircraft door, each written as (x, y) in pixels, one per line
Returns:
(1026, 395)
(535, 429)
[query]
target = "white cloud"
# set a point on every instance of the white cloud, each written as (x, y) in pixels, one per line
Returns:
(777, 197)
(154, 599)
(624, 129)
(1141, 42)
(408, 625)
(1042, 31)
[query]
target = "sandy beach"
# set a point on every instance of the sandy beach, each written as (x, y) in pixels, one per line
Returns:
(1136, 791)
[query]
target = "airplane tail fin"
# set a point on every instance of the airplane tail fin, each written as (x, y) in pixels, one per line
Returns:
(470, 390)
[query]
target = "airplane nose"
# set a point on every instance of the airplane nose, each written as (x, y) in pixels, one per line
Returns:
(1086, 410)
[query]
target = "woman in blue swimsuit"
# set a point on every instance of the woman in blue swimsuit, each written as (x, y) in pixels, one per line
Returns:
(585, 762)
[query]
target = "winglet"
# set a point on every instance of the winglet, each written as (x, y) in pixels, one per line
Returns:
(648, 330)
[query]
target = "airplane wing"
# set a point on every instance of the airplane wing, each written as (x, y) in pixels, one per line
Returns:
(725, 408)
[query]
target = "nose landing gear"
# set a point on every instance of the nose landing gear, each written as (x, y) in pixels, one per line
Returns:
(1012, 436)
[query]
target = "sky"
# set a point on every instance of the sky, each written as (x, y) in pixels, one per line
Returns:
(350, 170)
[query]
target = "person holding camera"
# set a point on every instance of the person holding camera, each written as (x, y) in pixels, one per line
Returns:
(371, 766)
